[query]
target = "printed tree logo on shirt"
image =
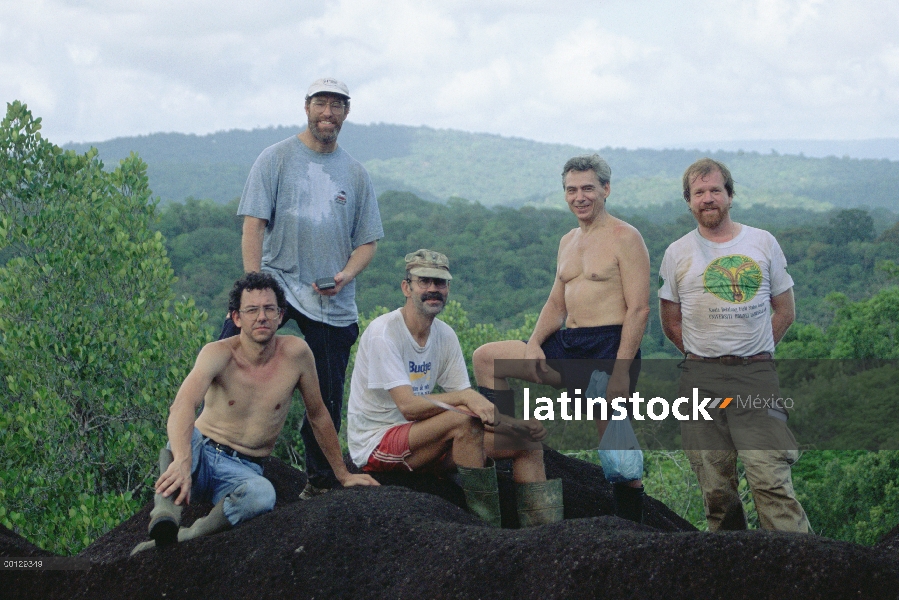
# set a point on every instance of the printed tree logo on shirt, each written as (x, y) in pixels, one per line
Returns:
(735, 278)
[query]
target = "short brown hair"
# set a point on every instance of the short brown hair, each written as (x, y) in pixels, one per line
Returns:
(704, 167)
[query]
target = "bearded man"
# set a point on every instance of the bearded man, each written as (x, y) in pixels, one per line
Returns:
(311, 220)
(725, 300)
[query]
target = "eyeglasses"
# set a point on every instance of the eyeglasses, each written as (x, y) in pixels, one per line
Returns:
(426, 282)
(271, 312)
(337, 107)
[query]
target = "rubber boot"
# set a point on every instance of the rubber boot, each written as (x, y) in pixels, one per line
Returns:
(539, 503)
(628, 502)
(165, 518)
(214, 522)
(481, 492)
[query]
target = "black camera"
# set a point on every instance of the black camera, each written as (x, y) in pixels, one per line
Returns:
(325, 283)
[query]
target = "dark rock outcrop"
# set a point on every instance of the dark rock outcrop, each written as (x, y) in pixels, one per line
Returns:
(398, 542)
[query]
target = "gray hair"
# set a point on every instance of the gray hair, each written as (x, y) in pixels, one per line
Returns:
(589, 162)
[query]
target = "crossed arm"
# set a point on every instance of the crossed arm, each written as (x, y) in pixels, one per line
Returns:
(418, 408)
(783, 306)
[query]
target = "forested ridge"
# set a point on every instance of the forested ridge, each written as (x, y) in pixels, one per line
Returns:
(102, 294)
(438, 164)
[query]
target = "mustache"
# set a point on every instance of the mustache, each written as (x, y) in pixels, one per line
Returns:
(432, 296)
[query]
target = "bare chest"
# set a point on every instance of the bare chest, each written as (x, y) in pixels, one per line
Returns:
(590, 258)
(247, 390)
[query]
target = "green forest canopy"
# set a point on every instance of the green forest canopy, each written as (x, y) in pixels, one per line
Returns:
(504, 258)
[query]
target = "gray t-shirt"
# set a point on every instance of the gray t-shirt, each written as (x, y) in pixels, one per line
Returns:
(319, 208)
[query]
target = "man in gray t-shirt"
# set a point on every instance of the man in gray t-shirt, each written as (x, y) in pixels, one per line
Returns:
(311, 219)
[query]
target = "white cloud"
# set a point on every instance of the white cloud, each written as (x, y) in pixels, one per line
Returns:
(618, 72)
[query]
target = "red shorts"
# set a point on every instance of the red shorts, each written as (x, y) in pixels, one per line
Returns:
(391, 452)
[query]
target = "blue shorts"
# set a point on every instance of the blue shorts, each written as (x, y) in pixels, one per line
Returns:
(583, 342)
(576, 352)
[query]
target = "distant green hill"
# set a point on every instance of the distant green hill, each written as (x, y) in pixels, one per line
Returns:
(438, 164)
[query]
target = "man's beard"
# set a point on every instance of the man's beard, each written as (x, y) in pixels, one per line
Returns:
(711, 220)
(322, 137)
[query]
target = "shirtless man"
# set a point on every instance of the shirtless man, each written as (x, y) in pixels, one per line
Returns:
(246, 383)
(600, 294)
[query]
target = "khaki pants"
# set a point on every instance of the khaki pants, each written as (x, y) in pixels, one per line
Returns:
(759, 437)
(768, 473)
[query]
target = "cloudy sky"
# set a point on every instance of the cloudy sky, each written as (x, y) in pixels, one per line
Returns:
(631, 73)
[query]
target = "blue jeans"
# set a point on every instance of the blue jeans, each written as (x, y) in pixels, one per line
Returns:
(217, 475)
(330, 346)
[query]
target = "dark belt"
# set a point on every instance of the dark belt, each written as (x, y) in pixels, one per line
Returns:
(232, 452)
(730, 360)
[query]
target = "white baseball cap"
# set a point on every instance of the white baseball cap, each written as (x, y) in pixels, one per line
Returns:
(328, 85)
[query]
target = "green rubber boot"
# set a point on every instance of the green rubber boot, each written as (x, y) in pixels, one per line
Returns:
(214, 522)
(165, 518)
(481, 492)
(539, 503)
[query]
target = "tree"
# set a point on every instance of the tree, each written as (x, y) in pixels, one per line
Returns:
(92, 348)
(849, 496)
(851, 225)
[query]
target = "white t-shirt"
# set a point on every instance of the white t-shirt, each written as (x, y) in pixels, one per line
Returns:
(388, 356)
(725, 291)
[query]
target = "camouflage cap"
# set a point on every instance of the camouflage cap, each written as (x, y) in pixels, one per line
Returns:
(427, 263)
